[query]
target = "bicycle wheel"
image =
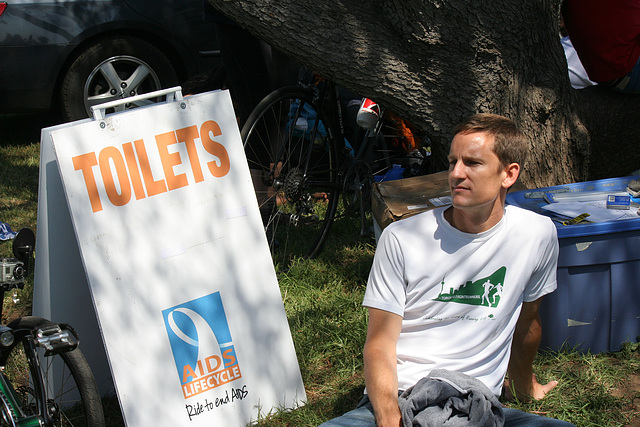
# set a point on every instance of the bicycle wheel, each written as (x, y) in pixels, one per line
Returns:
(290, 147)
(72, 397)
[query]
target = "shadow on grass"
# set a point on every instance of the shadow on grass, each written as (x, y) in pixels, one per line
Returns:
(349, 399)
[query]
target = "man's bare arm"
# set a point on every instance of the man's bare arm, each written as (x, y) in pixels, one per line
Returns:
(526, 340)
(380, 366)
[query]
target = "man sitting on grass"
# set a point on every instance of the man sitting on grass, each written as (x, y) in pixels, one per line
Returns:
(453, 297)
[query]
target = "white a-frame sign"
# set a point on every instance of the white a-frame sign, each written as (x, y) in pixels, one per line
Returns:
(170, 240)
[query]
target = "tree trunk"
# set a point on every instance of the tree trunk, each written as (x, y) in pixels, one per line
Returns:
(436, 62)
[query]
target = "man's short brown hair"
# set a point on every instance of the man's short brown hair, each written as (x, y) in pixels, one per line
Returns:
(510, 144)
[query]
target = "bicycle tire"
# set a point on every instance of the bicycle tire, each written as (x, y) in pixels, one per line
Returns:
(71, 391)
(297, 187)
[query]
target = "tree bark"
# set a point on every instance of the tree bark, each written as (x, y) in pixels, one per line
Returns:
(436, 62)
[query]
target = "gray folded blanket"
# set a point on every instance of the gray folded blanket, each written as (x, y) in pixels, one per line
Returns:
(450, 399)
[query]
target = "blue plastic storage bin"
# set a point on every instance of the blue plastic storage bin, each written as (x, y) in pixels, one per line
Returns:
(597, 304)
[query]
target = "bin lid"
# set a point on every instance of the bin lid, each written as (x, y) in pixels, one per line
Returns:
(534, 200)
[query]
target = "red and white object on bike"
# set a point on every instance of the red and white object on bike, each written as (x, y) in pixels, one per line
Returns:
(368, 115)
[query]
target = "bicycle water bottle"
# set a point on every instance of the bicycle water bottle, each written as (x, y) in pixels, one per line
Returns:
(368, 115)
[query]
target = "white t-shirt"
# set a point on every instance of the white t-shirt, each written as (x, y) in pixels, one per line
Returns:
(460, 294)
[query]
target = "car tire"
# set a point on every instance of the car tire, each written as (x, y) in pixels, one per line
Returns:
(112, 69)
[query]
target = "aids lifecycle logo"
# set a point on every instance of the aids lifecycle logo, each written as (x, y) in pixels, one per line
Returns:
(201, 344)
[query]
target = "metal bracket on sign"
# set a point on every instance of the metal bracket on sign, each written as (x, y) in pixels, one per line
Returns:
(172, 94)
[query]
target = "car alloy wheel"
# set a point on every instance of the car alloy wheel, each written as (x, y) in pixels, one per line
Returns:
(117, 78)
(114, 68)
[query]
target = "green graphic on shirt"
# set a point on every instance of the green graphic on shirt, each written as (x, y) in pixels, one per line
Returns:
(485, 291)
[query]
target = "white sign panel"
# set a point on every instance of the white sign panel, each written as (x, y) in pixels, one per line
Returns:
(171, 240)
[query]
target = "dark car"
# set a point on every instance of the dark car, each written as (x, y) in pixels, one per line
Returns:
(74, 54)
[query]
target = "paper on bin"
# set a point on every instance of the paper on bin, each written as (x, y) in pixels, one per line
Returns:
(597, 211)
(584, 196)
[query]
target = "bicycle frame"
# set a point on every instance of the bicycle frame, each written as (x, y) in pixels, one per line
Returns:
(53, 338)
(325, 91)
(12, 408)
(320, 92)
(9, 397)
(322, 88)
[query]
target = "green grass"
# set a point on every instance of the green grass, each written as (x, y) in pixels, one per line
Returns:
(593, 390)
(19, 160)
(322, 299)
